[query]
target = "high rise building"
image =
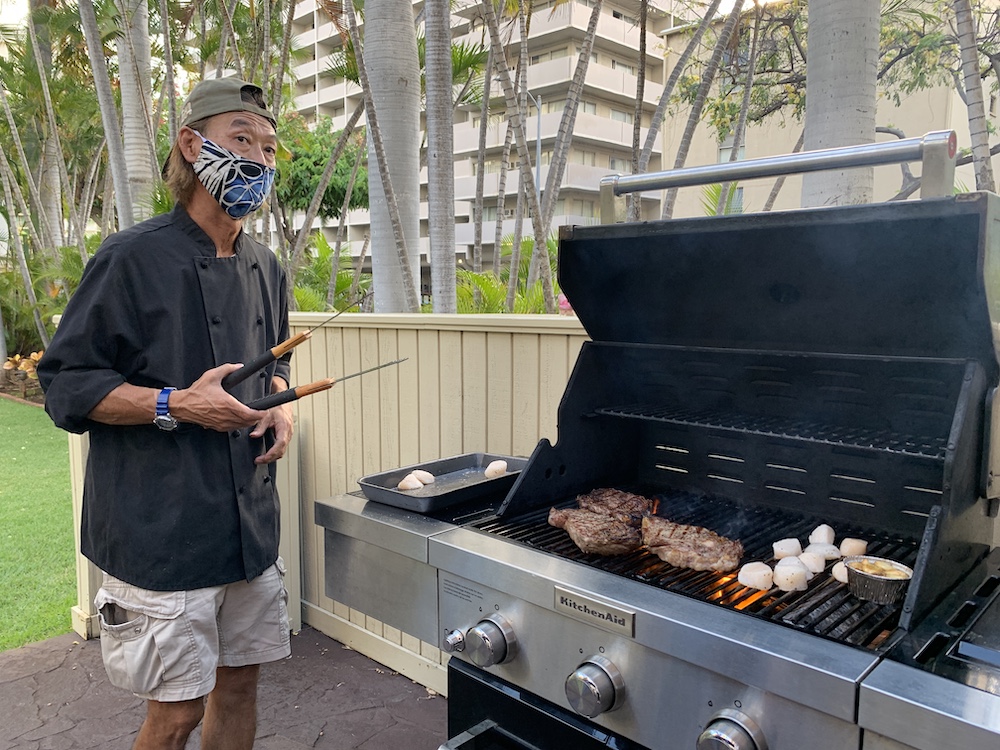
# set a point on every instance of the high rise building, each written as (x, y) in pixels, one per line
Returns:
(602, 135)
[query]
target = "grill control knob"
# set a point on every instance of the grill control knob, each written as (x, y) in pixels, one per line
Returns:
(594, 687)
(731, 730)
(491, 641)
(453, 641)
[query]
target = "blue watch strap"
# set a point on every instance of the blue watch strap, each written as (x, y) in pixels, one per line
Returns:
(162, 402)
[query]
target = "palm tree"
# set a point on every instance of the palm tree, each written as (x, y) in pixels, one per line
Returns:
(109, 114)
(711, 68)
(515, 112)
(134, 78)
(668, 90)
(978, 124)
(440, 153)
(841, 70)
(741, 121)
(633, 203)
(392, 102)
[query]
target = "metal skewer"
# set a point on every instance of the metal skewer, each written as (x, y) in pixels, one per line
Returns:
(260, 362)
(292, 394)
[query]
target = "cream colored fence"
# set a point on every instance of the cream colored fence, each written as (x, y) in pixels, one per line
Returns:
(469, 383)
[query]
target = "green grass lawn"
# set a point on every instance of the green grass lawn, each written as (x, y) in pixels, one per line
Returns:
(37, 565)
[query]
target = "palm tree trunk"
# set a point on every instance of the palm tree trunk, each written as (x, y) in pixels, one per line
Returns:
(780, 182)
(841, 69)
(349, 192)
(440, 154)
(517, 122)
(699, 101)
(978, 123)
(634, 201)
(668, 90)
(53, 126)
(168, 73)
(29, 289)
(477, 211)
(302, 237)
(134, 77)
(508, 140)
(109, 114)
(34, 234)
(741, 122)
(564, 137)
(44, 237)
(393, 54)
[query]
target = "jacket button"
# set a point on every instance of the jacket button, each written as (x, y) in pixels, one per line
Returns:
(263, 374)
(260, 321)
(235, 433)
(267, 479)
(255, 266)
(216, 320)
(204, 264)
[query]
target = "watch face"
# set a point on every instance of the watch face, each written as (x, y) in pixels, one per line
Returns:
(165, 422)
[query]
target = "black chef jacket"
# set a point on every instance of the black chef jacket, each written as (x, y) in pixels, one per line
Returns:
(179, 510)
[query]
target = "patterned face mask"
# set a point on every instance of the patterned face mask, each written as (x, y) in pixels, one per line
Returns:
(239, 185)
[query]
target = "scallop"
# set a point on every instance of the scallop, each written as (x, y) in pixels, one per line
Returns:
(839, 572)
(424, 477)
(850, 547)
(787, 548)
(794, 562)
(409, 482)
(822, 534)
(496, 469)
(756, 575)
(827, 551)
(791, 577)
(815, 563)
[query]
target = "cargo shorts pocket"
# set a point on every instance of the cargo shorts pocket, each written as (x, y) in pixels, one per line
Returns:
(133, 622)
(279, 564)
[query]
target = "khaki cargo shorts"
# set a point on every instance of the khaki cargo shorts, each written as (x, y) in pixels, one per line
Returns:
(166, 645)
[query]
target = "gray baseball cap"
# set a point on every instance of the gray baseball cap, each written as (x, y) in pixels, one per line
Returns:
(217, 96)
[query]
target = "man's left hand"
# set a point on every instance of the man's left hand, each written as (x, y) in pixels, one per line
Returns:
(279, 419)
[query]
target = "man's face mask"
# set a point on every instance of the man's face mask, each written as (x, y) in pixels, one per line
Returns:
(239, 185)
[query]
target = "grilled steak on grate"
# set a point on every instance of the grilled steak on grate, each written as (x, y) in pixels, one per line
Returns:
(598, 533)
(607, 521)
(610, 500)
(694, 547)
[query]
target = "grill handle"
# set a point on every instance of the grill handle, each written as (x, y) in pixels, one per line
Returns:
(936, 150)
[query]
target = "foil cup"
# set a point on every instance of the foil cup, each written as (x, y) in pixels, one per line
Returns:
(876, 588)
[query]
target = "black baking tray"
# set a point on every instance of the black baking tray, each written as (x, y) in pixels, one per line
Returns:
(456, 480)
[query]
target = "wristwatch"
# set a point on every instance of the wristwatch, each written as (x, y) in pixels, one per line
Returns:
(163, 419)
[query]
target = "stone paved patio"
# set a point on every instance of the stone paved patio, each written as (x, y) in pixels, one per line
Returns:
(54, 695)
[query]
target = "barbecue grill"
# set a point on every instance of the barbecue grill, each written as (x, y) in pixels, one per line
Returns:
(757, 375)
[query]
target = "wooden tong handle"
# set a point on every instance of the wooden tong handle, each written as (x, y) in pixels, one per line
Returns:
(283, 397)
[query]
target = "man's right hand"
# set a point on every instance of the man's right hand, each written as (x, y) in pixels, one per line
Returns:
(205, 402)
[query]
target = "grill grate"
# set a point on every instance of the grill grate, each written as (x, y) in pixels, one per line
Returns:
(825, 609)
(847, 436)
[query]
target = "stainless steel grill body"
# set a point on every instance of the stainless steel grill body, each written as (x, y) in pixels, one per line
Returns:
(686, 661)
(758, 376)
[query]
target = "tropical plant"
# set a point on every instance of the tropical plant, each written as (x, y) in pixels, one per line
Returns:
(313, 281)
(305, 152)
(712, 196)
(487, 292)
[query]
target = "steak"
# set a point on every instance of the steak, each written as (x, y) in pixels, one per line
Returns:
(612, 501)
(694, 547)
(598, 533)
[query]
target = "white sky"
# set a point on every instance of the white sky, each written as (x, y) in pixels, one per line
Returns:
(13, 12)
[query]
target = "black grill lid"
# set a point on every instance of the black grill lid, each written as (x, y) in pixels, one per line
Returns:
(895, 279)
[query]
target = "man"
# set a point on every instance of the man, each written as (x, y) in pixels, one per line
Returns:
(180, 509)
